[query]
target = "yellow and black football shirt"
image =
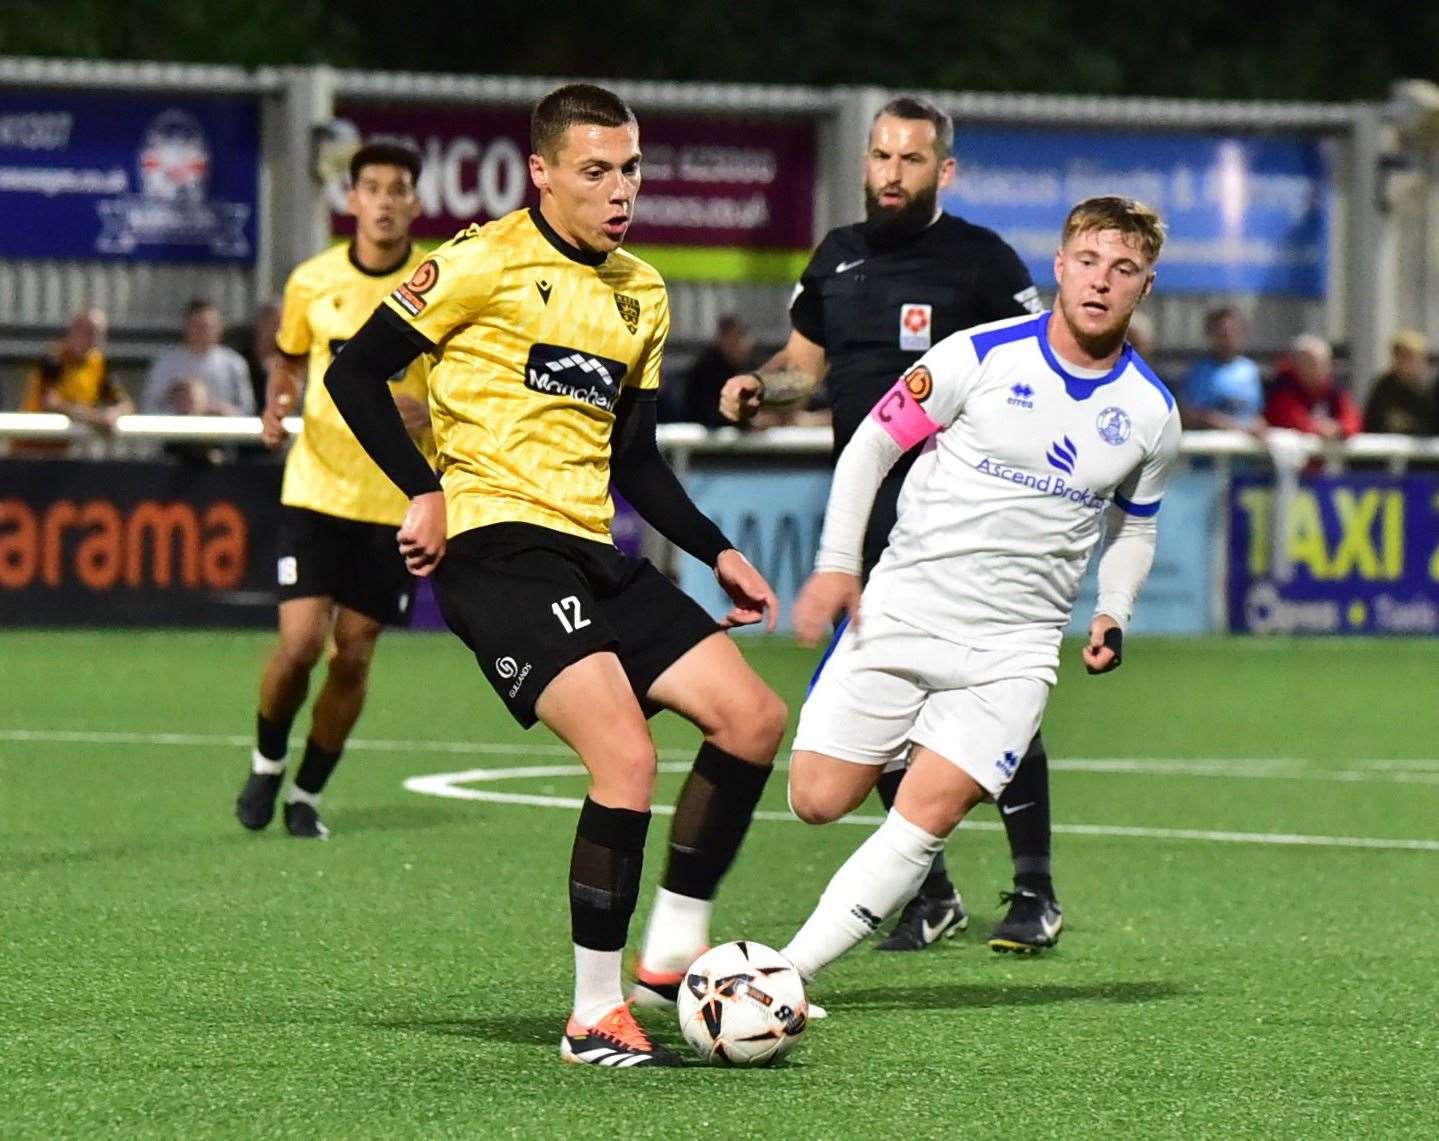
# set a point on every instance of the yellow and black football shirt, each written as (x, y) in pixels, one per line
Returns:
(327, 299)
(536, 340)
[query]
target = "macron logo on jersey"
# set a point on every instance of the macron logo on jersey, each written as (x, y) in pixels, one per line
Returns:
(559, 371)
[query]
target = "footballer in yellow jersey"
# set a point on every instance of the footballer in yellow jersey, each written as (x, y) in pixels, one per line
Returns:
(548, 340)
(341, 578)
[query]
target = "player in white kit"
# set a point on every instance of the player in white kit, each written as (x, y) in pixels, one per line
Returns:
(1045, 436)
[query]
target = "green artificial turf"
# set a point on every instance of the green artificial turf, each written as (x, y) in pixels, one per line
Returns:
(163, 973)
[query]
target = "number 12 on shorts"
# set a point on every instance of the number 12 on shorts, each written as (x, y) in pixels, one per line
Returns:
(567, 610)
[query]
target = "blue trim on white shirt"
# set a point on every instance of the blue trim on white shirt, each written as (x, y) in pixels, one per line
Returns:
(1142, 367)
(1143, 510)
(1078, 387)
(992, 339)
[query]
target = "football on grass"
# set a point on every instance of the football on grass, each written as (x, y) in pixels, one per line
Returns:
(742, 1004)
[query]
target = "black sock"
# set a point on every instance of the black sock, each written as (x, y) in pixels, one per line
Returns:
(272, 738)
(712, 815)
(605, 867)
(887, 787)
(937, 884)
(1024, 807)
(315, 768)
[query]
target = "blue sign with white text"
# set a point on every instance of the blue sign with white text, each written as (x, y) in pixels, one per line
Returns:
(1359, 555)
(144, 179)
(1246, 214)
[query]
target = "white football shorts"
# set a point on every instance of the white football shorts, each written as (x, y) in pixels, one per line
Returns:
(889, 685)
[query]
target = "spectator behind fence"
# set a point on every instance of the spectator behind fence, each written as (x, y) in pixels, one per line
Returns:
(1223, 389)
(1405, 400)
(73, 378)
(731, 351)
(260, 348)
(1307, 398)
(201, 377)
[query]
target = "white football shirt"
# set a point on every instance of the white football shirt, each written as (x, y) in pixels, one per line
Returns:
(1002, 510)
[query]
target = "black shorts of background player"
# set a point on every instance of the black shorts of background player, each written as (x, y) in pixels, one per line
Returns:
(874, 297)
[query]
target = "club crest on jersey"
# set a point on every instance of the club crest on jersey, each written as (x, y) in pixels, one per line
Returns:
(1021, 395)
(1114, 425)
(629, 311)
(920, 383)
(411, 296)
(555, 370)
(914, 326)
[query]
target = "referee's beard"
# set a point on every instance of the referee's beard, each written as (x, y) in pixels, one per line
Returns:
(886, 225)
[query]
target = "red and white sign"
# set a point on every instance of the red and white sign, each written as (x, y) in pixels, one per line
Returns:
(915, 321)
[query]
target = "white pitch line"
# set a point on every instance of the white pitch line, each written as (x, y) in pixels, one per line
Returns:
(1391, 771)
(455, 786)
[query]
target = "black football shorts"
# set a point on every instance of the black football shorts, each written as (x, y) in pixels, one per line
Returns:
(529, 601)
(357, 564)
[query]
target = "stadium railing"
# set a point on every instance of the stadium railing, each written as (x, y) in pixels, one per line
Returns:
(682, 441)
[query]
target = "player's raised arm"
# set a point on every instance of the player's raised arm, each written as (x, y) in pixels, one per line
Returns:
(788, 377)
(913, 410)
(1131, 531)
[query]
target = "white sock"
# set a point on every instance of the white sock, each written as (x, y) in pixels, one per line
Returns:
(298, 795)
(597, 984)
(679, 929)
(259, 763)
(884, 872)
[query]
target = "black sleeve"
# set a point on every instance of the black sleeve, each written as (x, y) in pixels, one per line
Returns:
(806, 307)
(1005, 287)
(358, 380)
(640, 474)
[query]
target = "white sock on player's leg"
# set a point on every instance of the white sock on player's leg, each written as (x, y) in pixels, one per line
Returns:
(679, 929)
(597, 984)
(259, 763)
(883, 872)
(298, 795)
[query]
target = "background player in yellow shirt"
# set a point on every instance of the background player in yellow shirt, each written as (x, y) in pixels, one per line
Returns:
(549, 339)
(340, 577)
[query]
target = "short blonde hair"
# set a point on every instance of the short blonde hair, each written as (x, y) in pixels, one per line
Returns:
(1113, 212)
(1412, 340)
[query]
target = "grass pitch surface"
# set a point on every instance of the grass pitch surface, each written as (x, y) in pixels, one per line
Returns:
(1248, 858)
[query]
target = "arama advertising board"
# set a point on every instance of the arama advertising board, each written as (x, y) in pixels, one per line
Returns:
(85, 543)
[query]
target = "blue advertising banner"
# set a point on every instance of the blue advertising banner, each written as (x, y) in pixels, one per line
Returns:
(1362, 554)
(1245, 214)
(145, 179)
(775, 517)
(1175, 598)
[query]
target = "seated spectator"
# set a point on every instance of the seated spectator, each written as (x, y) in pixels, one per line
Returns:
(73, 378)
(1405, 400)
(1223, 389)
(260, 349)
(731, 351)
(201, 377)
(1307, 398)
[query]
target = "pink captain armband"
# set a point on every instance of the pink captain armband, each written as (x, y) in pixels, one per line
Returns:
(899, 411)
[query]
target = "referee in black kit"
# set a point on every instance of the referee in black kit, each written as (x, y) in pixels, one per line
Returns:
(874, 297)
